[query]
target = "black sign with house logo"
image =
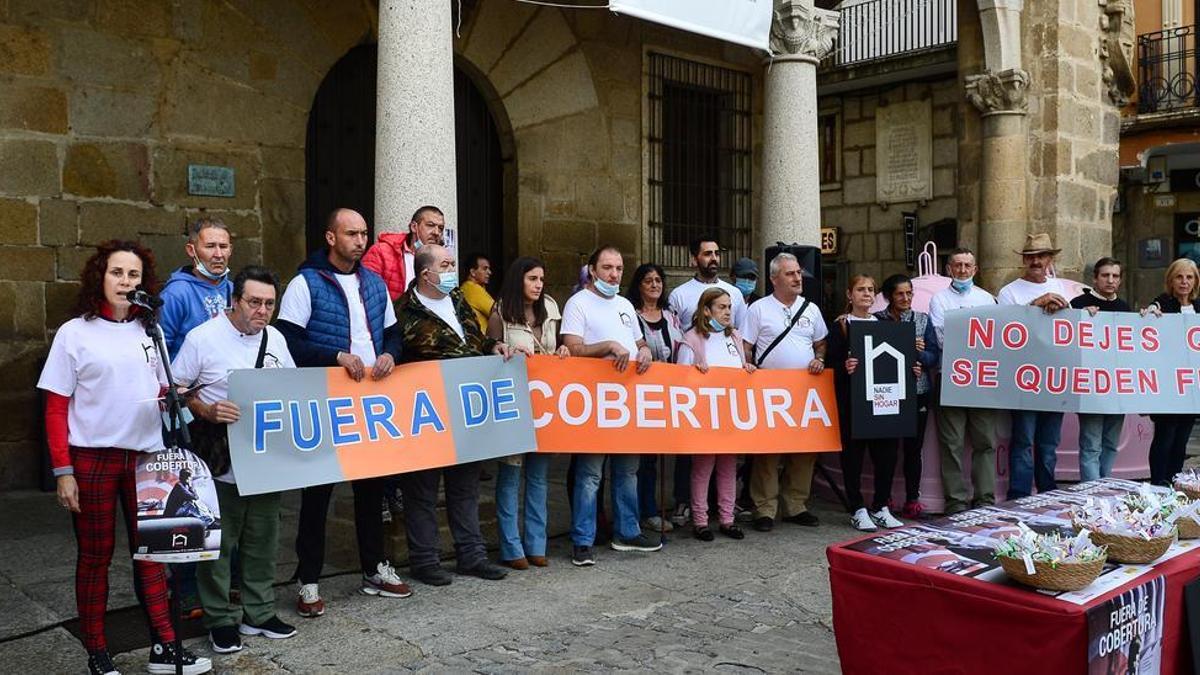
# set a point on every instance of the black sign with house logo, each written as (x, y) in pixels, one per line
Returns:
(1185, 180)
(883, 389)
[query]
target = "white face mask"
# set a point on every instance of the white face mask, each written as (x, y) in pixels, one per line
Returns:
(199, 266)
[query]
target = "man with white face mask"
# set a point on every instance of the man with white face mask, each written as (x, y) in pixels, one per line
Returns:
(953, 423)
(198, 292)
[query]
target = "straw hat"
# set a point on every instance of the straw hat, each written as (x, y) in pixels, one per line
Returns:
(1038, 243)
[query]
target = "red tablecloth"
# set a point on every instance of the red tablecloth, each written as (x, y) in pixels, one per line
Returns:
(892, 617)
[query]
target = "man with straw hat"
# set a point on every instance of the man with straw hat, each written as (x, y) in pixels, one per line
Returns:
(1033, 451)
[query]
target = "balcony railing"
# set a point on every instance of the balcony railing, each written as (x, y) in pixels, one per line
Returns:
(874, 30)
(1167, 68)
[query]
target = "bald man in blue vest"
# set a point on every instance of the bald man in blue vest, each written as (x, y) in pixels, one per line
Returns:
(335, 312)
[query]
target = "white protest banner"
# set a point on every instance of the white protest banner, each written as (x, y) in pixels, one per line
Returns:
(745, 22)
(1020, 358)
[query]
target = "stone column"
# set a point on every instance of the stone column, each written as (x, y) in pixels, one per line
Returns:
(414, 142)
(999, 93)
(801, 36)
(1003, 212)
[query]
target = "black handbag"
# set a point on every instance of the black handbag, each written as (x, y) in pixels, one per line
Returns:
(210, 440)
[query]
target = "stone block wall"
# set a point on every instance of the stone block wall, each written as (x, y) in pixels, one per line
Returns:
(1074, 131)
(872, 238)
(571, 87)
(103, 104)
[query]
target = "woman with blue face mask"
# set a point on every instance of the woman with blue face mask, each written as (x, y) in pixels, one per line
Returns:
(713, 342)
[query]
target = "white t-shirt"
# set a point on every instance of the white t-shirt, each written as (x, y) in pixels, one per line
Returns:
(719, 351)
(949, 299)
(213, 349)
(769, 317)
(1187, 309)
(112, 373)
(685, 297)
(598, 319)
(296, 307)
(1022, 292)
(444, 308)
(408, 269)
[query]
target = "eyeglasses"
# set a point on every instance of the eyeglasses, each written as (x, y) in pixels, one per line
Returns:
(259, 303)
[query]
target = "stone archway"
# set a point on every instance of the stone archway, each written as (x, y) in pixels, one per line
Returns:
(340, 154)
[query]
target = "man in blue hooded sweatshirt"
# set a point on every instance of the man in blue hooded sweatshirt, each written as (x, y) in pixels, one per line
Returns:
(198, 292)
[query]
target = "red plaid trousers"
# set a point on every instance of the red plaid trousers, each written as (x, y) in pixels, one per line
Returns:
(106, 478)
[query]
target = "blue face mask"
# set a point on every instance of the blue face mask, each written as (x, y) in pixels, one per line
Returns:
(606, 289)
(715, 326)
(962, 285)
(199, 267)
(746, 286)
(447, 281)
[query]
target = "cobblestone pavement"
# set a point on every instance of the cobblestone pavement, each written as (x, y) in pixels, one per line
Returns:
(758, 605)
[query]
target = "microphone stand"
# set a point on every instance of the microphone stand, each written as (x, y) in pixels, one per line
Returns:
(177, 436)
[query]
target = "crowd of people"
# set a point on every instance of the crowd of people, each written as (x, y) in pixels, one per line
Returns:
(367, 309)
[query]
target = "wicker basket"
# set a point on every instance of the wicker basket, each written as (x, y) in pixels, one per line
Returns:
(1061, 577)
(1133, 550)
(1188, 528)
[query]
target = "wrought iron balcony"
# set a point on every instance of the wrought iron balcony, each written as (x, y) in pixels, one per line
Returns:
(877, 30)
(1167, 68)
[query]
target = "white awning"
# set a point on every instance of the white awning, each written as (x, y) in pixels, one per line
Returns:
(744, 22)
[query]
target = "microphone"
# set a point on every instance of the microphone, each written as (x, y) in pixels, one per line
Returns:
(142, 299)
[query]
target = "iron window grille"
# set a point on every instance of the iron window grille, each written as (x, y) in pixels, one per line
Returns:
(699, 149)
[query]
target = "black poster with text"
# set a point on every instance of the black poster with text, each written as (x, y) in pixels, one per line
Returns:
(883, 389)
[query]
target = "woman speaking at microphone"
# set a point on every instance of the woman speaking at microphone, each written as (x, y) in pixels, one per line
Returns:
(102, 380)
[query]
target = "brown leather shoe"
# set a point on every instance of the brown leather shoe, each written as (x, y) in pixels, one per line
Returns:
(538, 561)
(518, 564)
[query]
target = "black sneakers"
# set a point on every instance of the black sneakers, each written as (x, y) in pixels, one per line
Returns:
(638, 543)
(162, 661)
(803, 518)
(100, 663)
(433, 575)
(581, 556)
(225, 639)
(484, 569)
(272, 628)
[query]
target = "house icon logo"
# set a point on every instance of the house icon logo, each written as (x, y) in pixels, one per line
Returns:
(179, 540)
(885, 397)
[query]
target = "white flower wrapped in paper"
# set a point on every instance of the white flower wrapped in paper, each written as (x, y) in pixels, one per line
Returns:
(1148, 513)
(1188, 480)
(1053, 548)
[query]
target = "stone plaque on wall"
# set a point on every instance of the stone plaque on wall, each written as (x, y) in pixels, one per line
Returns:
(904, 152)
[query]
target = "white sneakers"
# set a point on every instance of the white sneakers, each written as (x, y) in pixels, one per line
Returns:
(884, 518)
(861, 520)
(869, 522)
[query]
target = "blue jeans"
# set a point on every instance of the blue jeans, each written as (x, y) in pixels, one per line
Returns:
(624, 497)
(1098, 439)
(508, 490)
(1035, 436)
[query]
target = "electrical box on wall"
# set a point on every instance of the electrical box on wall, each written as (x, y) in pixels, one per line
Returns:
(1156, 170)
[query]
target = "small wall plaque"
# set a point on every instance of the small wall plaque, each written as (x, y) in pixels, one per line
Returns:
(210, 181)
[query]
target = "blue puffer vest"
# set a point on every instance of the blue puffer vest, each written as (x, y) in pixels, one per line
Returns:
(329, 325)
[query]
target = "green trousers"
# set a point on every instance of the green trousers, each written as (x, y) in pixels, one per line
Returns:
(251, 525)
(955, 428)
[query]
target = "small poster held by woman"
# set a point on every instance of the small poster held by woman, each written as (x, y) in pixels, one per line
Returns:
(178, 517)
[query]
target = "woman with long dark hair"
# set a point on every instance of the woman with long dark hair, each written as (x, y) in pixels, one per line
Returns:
(102, 378)
(898, 292)
(526, 319)
(660, 326)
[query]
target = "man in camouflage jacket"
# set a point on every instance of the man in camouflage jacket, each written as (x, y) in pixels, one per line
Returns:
(437, 323)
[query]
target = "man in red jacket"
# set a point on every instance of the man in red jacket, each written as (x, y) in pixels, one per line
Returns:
(391, 256)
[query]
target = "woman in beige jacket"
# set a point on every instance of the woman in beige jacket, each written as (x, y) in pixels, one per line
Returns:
(527, 320)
